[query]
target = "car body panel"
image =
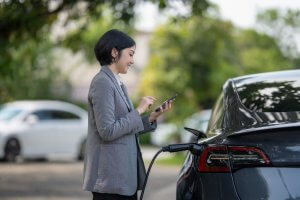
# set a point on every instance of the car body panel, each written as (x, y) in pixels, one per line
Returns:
(45, 138)
(282, 146)
(206, 186)
(273, 131)
(268, 183)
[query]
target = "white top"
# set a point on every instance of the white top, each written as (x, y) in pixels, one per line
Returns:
(118, 79)
(119, 82)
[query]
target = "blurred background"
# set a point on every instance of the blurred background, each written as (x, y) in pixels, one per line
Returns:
(189, 47)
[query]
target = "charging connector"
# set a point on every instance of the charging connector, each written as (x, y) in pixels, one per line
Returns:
(194, 148)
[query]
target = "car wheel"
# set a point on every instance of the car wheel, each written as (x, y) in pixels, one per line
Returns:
(81, 151)
(12, 150)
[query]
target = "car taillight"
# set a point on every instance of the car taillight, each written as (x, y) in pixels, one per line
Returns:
(216, 158)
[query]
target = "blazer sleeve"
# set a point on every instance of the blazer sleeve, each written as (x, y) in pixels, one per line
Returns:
(147, 125)
(108, 127)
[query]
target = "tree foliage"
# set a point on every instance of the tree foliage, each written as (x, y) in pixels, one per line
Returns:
(283, 25)
(194, 57)
(26, 47)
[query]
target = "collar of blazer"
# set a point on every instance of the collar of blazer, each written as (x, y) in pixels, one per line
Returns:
(110, 74)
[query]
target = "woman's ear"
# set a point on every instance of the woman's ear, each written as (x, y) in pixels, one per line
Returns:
(114, 53)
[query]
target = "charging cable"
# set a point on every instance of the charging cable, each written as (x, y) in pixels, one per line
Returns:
(194, 148)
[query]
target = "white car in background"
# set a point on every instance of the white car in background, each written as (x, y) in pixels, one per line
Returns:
(163, 134)
(166, 132)
(198, 121)
(42, 129)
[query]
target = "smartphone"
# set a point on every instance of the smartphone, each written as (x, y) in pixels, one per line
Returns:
(164, 103)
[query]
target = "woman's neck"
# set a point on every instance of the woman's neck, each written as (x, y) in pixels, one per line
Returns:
(113, 68)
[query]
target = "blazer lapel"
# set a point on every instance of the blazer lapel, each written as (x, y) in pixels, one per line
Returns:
(126, 96)
(110, 74)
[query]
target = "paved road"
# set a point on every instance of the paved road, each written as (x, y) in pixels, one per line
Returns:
(162, 183)
(61, 180)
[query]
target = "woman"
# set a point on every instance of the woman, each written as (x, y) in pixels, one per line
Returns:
(113, 166)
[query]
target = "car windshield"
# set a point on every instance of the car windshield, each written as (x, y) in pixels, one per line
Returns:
(277, 95)
(7, 113)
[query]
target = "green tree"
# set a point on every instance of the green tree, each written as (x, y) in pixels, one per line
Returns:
(283, 25)
(29, 73)
(194, 57)
(185, 58)
(26, 50)
(258, 52)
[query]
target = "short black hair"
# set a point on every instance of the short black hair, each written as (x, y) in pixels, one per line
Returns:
(109, 40)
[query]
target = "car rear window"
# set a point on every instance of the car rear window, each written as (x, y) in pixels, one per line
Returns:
(271, 95)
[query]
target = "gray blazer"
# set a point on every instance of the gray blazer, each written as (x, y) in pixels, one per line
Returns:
(113, 161)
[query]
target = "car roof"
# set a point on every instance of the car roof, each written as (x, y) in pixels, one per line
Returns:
(278, 75)
(36, 104)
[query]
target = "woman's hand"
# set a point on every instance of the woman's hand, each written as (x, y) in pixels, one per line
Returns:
(145, 104)
(154, 115)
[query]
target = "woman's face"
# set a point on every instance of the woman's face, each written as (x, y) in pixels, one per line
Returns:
(125, 60)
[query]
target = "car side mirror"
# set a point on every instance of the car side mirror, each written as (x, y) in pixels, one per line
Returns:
(195, 132)
(31, 119)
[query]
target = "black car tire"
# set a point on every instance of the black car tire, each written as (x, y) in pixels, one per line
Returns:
(12, 150)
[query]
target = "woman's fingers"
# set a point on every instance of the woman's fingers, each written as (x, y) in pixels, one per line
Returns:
(161, 109)
(150, 97)
(145, 103)
(165, 107)
(150, 102)
(168, 106)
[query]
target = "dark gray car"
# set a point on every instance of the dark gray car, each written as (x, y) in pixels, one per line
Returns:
(253, 147)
